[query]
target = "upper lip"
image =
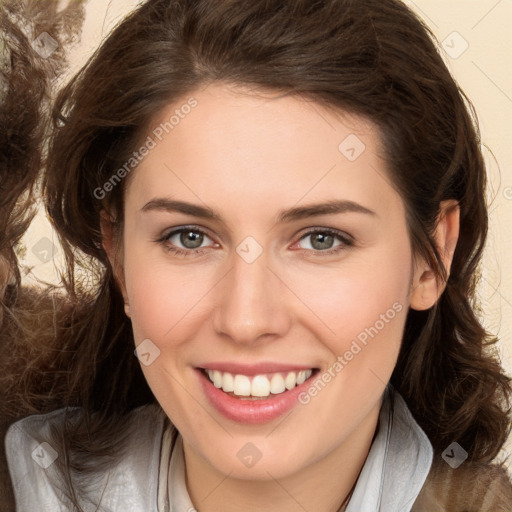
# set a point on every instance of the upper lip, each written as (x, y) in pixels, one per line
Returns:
(253, 369)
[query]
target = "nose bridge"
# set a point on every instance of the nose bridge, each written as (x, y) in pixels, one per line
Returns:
(250, 303)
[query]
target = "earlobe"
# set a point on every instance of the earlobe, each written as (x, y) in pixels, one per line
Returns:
(425, 291)
(426, 287)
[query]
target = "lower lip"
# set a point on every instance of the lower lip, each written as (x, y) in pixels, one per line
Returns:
(260, 410)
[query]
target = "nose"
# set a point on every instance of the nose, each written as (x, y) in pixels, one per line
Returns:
(251, 303)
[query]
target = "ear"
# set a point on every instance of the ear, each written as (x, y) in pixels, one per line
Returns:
(110, 244)
(426, 288)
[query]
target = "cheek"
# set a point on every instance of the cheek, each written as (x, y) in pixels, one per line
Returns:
(362, 307)
(357, 293)
(164, 299)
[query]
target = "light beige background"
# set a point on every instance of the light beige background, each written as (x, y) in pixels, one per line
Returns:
(476, 41)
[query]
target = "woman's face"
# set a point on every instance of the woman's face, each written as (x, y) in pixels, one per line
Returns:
(267, 281)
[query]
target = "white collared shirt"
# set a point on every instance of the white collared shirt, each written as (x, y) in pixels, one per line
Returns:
(150, 476)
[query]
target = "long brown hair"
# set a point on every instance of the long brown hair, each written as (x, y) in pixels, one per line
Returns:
(25, 98)
(374, 58)
(27, 315)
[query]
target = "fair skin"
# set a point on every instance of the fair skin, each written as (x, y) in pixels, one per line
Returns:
(247, 157)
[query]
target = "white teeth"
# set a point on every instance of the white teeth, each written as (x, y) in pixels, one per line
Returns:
(217, 379)
(228, 382)
(291, 380)
(277, 384)
(301, 377)
(242, 385)
(260, 385)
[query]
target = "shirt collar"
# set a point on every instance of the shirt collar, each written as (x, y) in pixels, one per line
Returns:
(392, 476)
(398, 462)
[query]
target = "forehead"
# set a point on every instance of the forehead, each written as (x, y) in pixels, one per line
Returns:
(258, 150)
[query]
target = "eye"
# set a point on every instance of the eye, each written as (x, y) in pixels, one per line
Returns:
(190, 238)
(322, 240)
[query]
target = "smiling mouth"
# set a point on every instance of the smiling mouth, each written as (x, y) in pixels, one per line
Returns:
(258, 386)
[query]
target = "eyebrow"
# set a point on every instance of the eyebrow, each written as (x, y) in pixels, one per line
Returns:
(289, 215)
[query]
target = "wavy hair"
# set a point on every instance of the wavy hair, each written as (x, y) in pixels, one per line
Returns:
(28, 315)
(374, 58)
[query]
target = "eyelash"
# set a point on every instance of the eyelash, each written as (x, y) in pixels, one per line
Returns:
(346, 240)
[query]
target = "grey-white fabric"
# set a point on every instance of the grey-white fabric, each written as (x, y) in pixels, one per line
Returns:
(150, 475)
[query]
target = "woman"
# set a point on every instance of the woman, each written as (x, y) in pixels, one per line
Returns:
(309, 344)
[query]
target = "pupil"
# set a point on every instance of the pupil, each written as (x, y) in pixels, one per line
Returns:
(325, 241)
(190, 239)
